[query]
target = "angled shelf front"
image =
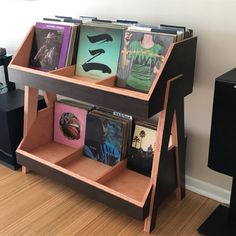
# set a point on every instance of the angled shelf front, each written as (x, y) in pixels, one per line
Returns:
(118, 186)
(180, 59)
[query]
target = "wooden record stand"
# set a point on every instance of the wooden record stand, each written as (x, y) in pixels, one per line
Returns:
(130, 192)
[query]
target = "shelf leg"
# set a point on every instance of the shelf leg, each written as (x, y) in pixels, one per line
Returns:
(25, 170)
(30, 112)
(179, 141)
(50, 98)
(161, 149)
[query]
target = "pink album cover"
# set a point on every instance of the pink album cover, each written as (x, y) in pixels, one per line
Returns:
(69, 125)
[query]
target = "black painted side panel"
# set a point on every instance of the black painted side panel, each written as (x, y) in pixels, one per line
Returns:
(166, 180)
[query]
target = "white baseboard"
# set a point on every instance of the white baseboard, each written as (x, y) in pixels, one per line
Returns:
(208, 190)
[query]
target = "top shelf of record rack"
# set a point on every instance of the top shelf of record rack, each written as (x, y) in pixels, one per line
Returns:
(179, 61)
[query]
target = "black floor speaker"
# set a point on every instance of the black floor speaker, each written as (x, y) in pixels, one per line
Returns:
(11, 125)
(222, 153)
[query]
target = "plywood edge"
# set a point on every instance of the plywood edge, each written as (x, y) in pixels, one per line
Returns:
(20, 145)
(81, 178)
(110, 82)
(124, 92)
(115, 170)
(23, 53)
(106, 85)
(30, 108)
(101, 187)
(68, 71)
(49, 98)
(145, 196)
(82, 81)
(171, 143)
(77, 154)
(41, 131)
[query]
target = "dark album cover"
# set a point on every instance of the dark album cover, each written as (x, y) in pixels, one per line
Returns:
(104, 139)
(50, 46)
(142, 149)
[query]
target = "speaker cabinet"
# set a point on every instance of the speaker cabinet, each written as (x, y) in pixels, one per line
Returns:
(11, 125)
(222, 151)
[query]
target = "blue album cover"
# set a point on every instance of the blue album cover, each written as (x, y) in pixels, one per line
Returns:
(104, 139)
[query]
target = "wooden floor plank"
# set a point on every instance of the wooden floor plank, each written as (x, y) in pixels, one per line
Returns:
(83, 219)
(5, 172)
(171, 217)
(23, 203)
(40, 211)
(132, 229)
(33, 205)
(15, 183)
(198, 218)
(111, 222)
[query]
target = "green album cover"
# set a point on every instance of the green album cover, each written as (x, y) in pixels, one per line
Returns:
(98, 51)
(141, 57)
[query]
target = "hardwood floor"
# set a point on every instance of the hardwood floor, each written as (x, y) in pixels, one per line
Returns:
(33, 205)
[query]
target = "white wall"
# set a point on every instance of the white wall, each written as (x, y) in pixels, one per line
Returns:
(213, 22)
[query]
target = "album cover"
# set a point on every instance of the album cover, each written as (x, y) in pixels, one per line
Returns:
(50, 46)
(69, 125)
(141, 57)
(142, 150)
(98, 50)
(104, 139)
